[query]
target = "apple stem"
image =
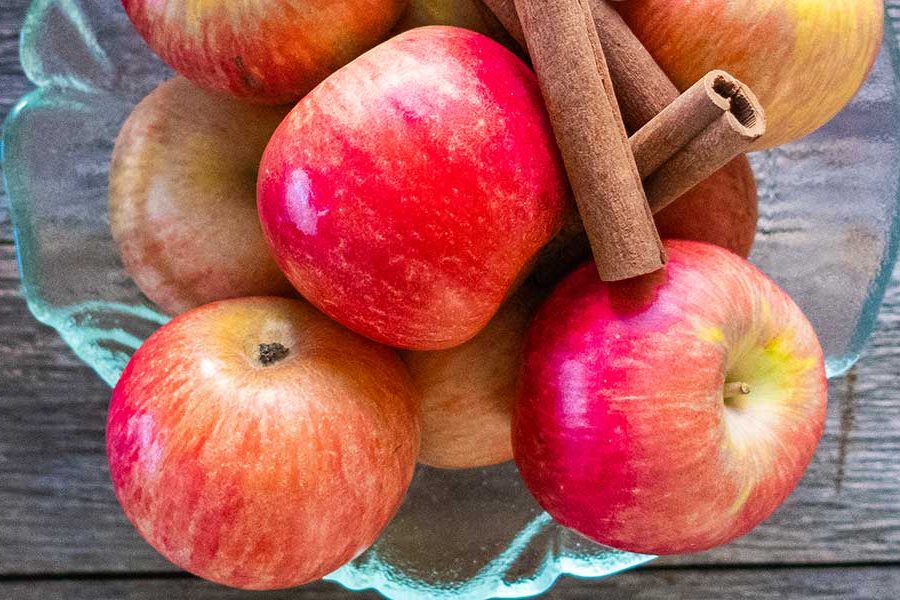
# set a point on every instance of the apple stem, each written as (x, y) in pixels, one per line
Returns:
(738, 388)
(269, 354)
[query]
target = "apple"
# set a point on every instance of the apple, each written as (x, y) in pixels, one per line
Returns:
(672, 413)
(407, 194)
(722, 210)
(273, 51)
(182, 197)
(469, 14)
(468, 391)
(805, 60)
(258, 444)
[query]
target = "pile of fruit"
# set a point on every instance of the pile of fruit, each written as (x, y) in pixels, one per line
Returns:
(363, 229)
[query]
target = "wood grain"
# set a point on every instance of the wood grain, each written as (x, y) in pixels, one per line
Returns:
(856, 583)
(59, 510)
(13, 84)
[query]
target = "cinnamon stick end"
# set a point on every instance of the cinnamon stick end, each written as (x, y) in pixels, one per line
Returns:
(745, 111)
(611, 271)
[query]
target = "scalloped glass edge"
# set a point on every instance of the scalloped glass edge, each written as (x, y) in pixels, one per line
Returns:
(387, 581)
(73, 324)
(83, 340)
(868, 317)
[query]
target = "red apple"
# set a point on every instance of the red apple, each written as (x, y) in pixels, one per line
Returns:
(406, 195)
(273, 51)
(258, 444)
(722, 210)
(804, 59)
(672, 413)
(182, 197)
(468, 391)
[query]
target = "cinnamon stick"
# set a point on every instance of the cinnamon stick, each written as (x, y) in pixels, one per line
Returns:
(643, 91)
(682, 121)
(641, 86)
(715, 120)
(505, 11)
(564, 46)
(733, 133)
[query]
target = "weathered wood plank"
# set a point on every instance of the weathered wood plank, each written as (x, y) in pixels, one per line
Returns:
(13, 84)
(858, 583)
(58, 513)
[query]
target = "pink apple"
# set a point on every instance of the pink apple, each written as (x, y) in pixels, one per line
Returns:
(272, 51)
(182, 197)
(672, 413)
(406, 195)
(258, 444)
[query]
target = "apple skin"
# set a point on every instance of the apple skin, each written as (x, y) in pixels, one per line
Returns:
(621, 430)
(468, 391)
(261, 476)
(722, 210)
(182, 197)
(804, 60)
(271, 51)
(406, 195)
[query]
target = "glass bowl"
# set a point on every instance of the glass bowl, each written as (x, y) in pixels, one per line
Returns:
(828, 234)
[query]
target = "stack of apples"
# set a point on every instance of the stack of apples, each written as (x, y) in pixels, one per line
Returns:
(341, 207)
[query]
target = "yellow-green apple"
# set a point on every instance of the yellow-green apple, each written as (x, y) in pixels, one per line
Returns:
(671, 413)
(722, 210)
(468, 391)
(182, 197)
(804, 59)
(258, 444)
(406, 195)
(271, 51)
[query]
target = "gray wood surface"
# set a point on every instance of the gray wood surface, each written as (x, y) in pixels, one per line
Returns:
(853, 583)
(839, 535)
(13, 84)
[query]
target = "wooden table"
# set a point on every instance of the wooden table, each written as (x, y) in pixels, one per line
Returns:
(63, 536)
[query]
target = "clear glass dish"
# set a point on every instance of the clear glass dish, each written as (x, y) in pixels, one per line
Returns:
(828, 234)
